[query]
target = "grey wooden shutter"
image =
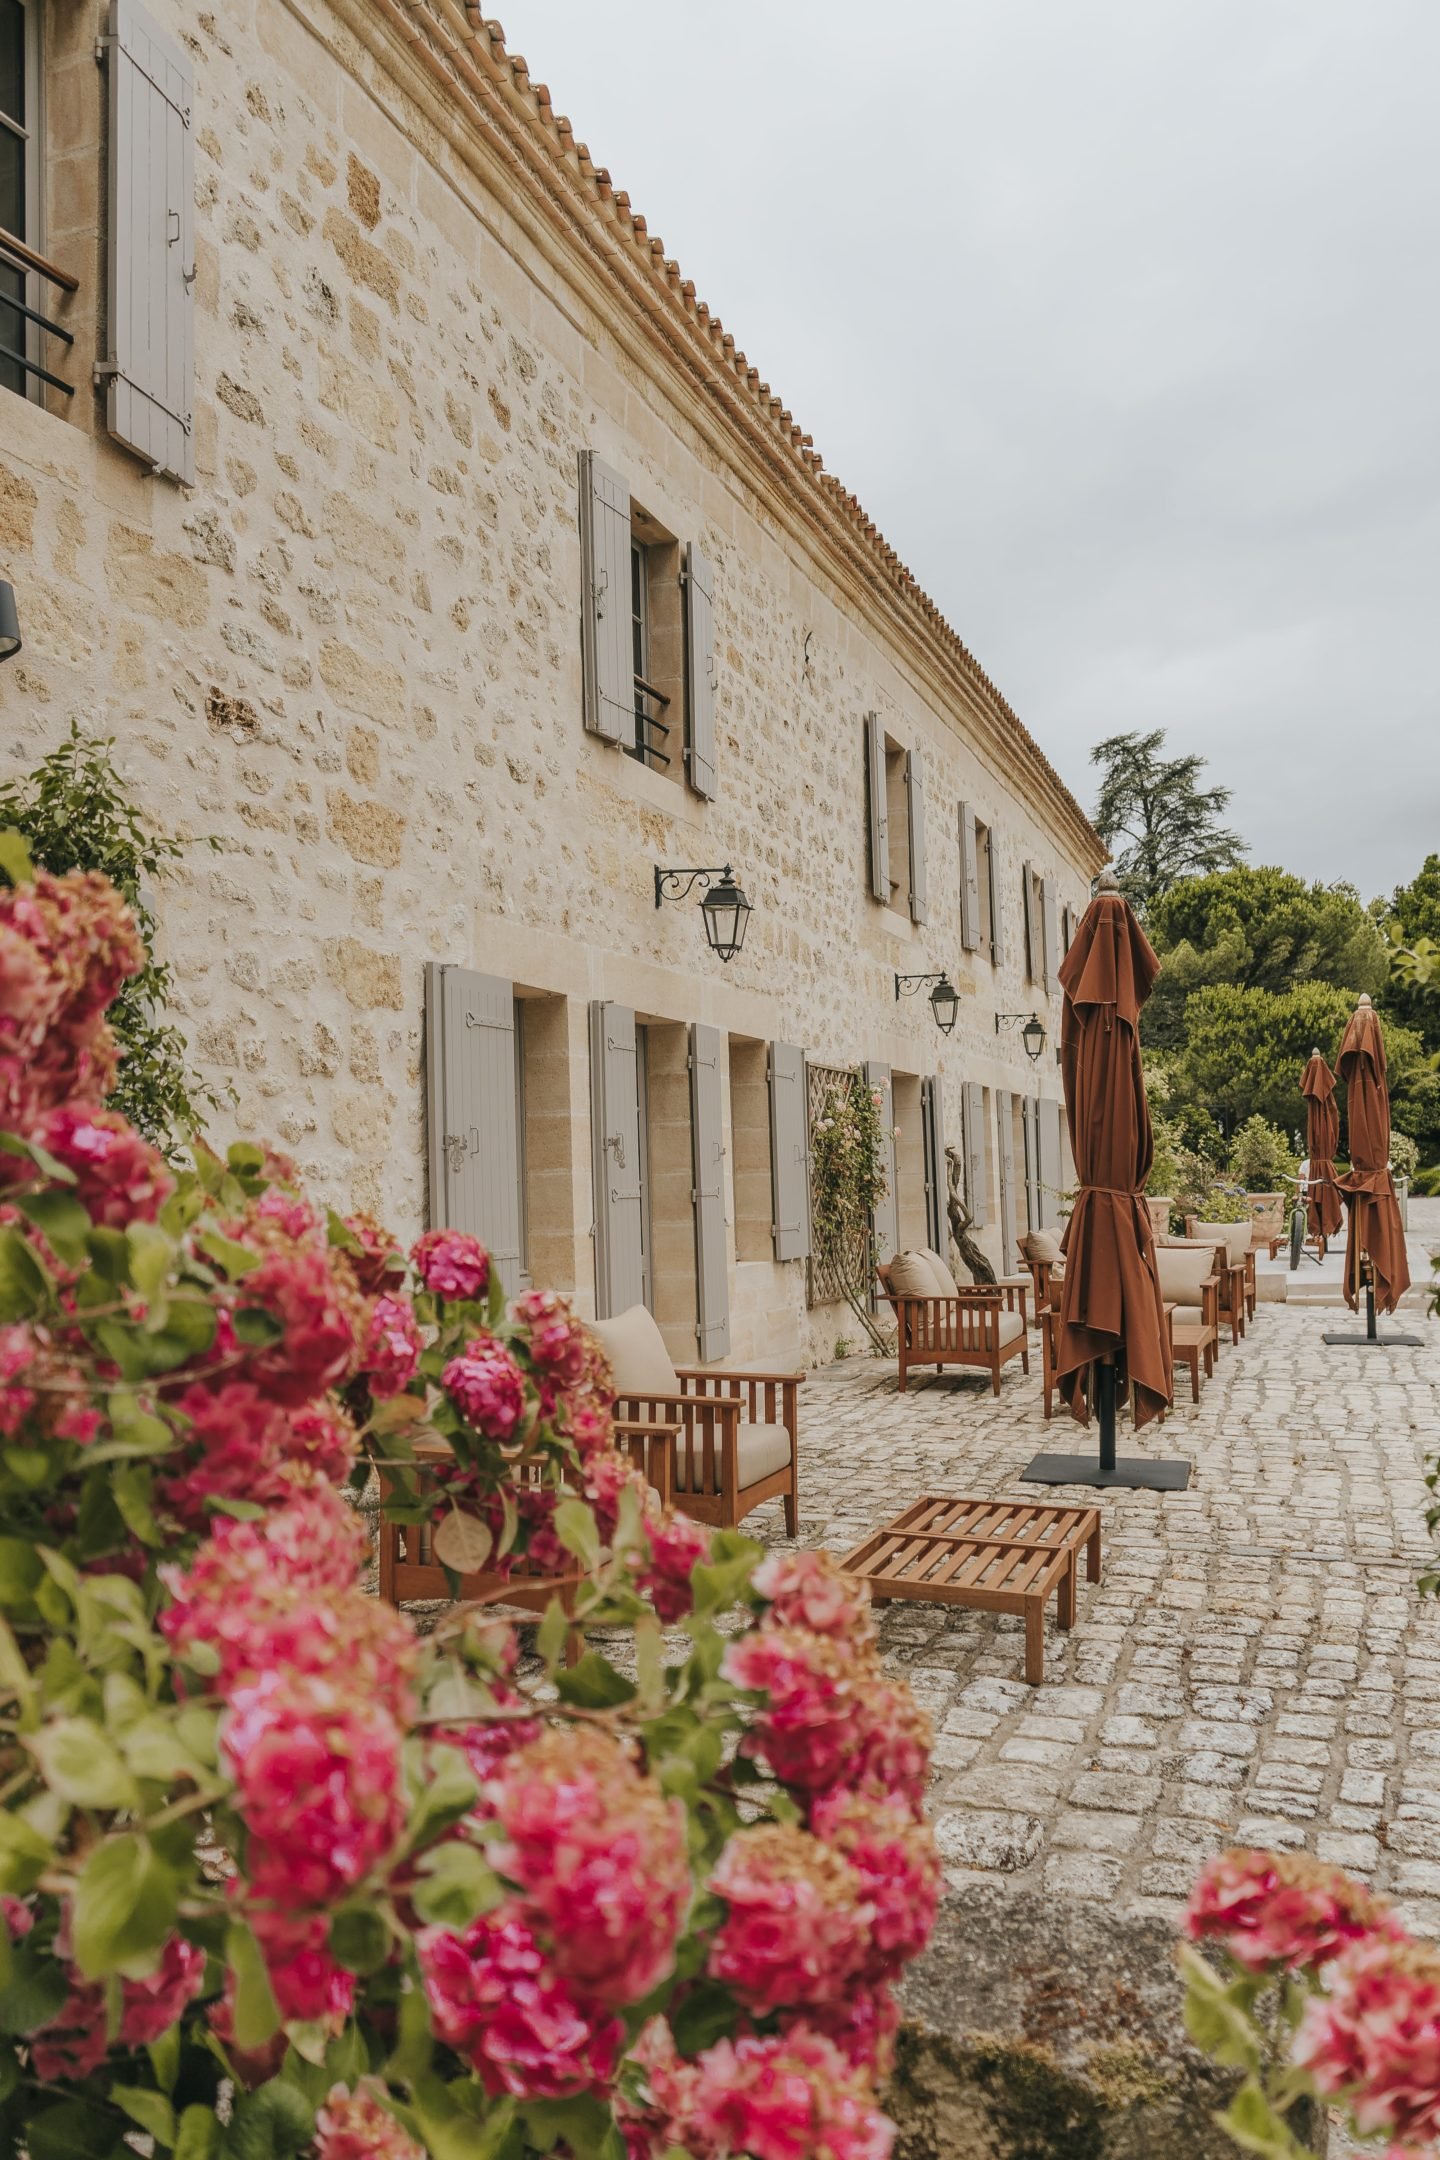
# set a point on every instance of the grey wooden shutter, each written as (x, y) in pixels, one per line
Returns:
(615, 1154)
(915, 793)
(998, 945)
(789, 1152)
(700, 670)
(1034, 1172)
(1005, 1128)
(473, 1112)
(148, 367)
(606, 655)
(1050, 932)
(707, 1135)
(1052, 1161)
(977, 1181)
(1032, 927)
(875, 808)
(885, 1221)
(932, 1125)
(969, 881)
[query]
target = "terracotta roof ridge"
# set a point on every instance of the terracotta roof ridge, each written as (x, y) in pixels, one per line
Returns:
(484, 40)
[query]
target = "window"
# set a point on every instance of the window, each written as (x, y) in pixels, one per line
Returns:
(750, 1149)
(895, 810)
(19, 187)
(656, 653)
(985, 889)
(911, 1227)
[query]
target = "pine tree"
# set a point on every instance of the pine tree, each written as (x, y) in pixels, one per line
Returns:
(1157, 805)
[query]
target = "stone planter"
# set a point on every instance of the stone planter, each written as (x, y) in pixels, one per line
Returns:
(1159, 1214)
(1040, 2028)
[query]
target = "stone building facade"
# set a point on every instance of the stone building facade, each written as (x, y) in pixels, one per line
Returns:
(424, 392)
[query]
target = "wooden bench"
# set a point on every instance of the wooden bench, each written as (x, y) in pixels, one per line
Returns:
(987, 1556)
(980, 1328)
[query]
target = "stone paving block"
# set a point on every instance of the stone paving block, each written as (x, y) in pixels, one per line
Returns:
(989, 1839)
(1083, 1874)
(1094, 1831)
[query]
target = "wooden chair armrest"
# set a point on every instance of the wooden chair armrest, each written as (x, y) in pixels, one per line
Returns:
(708, 1373)
(679, 1409)
(645, 1428)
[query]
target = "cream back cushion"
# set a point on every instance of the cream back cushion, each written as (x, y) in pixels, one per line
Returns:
(1041, 1246)
(1234, 1236)
(1182, 1269)
(640, 1364)
(940, 1270)
(911, 1275)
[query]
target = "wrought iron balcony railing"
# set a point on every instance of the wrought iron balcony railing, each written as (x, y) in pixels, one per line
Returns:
(15, 314)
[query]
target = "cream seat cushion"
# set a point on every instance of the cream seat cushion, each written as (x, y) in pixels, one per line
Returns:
(1182, 1270)
(640, 1364)
(911, 1275)
(940, 1271)
(1008, 1327)
(1041, 1246)
(1234, 1236)
(760, 1451)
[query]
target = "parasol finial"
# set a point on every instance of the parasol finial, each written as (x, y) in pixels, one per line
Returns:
(1364, 999)
(1107, 882)
(1315, 1050)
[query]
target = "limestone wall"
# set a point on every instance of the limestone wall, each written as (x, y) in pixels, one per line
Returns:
(352, 653)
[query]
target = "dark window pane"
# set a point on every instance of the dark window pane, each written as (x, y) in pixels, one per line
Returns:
(12, 60)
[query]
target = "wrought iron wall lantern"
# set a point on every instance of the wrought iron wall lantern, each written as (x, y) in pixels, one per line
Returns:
(944, 998)
(9, 622)
(725, 911)
(1032, 1031)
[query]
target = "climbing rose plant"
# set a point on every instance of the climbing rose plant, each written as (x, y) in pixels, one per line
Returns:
(1313, 1989)
(279, 1876)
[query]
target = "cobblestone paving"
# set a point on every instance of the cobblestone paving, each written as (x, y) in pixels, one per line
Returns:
(1255, 1664)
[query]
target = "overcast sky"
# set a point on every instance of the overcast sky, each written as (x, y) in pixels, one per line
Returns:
(1122, 318)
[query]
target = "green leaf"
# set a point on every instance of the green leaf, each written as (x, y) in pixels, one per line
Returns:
(575, 1527)
(706, 2014)
(36, 1990)
(457, 1885)
(80, 1764)
(75, 2130)
(198, 2137)
(256, 2016)
(151, 1257)
(1215, 2017)
(20, 1571)
(1256, 2128)
(232, 1258)
(23, 1281)
(447, 1791)
(61, 1221)
(593, 1683)
(584, 2123)
(359, 1938)
(15, 857)
(271, 2123)
(256, 1328)
(454, 2132)
(553, 1633)
(24, 1855)
(125, 1906)
(131, 1486)
(154, 1750)
(29, 1467)
(151, 2110)
(164, 2055)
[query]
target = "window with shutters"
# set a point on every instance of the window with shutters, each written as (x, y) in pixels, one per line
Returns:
(49, 204)
(656, 645)
(912, 1226)
(895, 800)
(984, 891)
(750, 1149)
(20, 189)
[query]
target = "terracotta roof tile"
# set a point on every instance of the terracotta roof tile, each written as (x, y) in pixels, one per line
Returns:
(467, 51)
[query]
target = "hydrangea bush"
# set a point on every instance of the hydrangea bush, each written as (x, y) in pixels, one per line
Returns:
(1312, 1988)
(279, 1876)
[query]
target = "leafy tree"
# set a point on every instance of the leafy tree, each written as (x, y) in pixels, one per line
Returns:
(1412, 924)
(1156, 805)
(1261, 1157)
(1261, 928)
(1246, 1048)
(75, 814)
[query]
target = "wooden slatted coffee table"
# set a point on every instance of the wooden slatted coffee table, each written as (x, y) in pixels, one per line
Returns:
(990, 1555)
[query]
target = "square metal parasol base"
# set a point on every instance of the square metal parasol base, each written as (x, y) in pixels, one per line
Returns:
(1133, 1473)
(1376, 1342)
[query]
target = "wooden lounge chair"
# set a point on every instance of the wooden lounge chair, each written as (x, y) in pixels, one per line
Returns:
(974, 1327)
(1191, 1289)
(1048, 1318)
(1040, 1250)
(1267, 1222)
(738, 1443)
(988, 1555)
(409, 1569)
(1240, 1251)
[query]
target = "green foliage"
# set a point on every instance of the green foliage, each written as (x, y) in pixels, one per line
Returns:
(848, 1176)
(1404, 1155)
(1412, 925)
(1261, 1157)
(75, 814)
(1246, 1049)
(1169, 824)
(1261, 929)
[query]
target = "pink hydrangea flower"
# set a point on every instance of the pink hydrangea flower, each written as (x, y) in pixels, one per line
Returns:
(599, 1855)
(862, 2027)
(497, 2000)
(452, 1265)
(323, 1441)
(817, 1715)
(893, 1762)
(379, 1264)
(1282, 1909)
(66, 945)
(150, 2007)
(791, 2096)
(796, 1922)
(899, 1873)
(74, 2043)
(318, 1784)
(16, 1915)
(487, 1387)
(307, 1983)
(807, 1590)
(316, 1345)
(358, 2126)
(676, 1544)
(390, 1358)
(294, 1215)
(234, 1448)
(18, 1354)
(1375, 2036)
(556, 1340)
(119, 1178)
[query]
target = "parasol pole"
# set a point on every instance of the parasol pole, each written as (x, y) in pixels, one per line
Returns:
(1106, 1390)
